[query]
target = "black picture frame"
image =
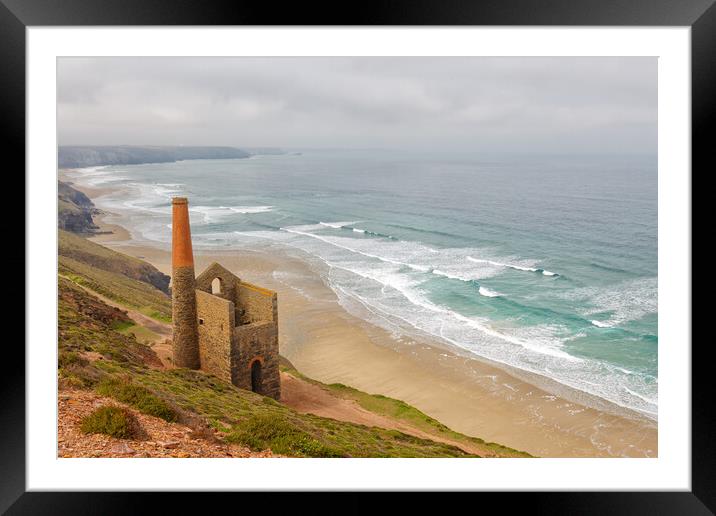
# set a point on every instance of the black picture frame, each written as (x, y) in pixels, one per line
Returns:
(16, 15)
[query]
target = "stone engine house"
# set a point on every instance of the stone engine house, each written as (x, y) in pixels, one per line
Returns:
(222, 325)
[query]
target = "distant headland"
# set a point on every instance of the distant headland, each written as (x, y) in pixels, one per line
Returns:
(79, 156)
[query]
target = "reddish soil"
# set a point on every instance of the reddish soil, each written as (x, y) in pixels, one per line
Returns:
(162, 439)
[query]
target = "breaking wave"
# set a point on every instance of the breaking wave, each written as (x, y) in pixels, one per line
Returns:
(336, 225)
(484, 291)
(213, 214)
(349, 226)
(513, 266)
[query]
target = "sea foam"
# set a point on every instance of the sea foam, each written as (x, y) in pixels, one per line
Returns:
(484, 291)
(512, 266)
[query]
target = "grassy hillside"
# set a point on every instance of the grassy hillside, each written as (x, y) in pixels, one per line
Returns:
(400, 411)
(93, 354)
(123, 290)
(100, 257)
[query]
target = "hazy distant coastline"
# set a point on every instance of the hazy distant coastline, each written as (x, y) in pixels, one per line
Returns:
(78, 156)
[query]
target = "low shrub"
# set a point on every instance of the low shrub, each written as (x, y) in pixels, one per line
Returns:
(69, 358)
(139, 397)
(114, 421)
(120, 325)
(265, 431)
(70, 382)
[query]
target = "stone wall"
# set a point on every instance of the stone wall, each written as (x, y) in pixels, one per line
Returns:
(227, 279)
(258, 304)
(215, 329)
(257, 341)
(238, 326)
(228, 283)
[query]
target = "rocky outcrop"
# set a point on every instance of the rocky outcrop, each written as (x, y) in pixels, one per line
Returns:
(66, 192)
(74, 210)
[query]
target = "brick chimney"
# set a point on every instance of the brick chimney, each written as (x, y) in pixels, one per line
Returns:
(185, 339)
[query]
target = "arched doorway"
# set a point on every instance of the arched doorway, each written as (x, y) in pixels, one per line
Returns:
(256, 376)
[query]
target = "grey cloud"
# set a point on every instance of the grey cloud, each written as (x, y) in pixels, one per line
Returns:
(483, 104)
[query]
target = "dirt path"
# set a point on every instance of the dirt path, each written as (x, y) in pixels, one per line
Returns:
(308, 398)
(162, 345)
(162, 329)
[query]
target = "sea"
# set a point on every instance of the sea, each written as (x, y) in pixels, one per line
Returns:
(539, 263)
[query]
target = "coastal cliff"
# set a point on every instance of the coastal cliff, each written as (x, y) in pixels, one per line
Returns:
(74, 210)
(74, 220)
(71, 156)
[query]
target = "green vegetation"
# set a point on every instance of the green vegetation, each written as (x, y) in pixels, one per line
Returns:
(99, 257)
(70, 358)
(114, 421)
(279, 435)
(401, 411)
(141, 333)
(123, 290)
(262, 423)
(123, 326)
(86, 325)
(136, 396)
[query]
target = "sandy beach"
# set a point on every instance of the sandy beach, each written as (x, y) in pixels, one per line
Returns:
(326, 342)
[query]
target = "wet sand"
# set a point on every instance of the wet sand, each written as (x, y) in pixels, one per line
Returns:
(326, 342)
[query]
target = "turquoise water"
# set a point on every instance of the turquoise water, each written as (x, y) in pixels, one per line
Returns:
(546, 264)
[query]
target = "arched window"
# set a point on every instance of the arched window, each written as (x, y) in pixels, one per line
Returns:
(256, 376)
(216, 286)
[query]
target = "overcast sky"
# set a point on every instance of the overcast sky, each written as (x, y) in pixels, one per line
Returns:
(574, 105)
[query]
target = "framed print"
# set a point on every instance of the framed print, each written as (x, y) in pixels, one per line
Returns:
(295, 255)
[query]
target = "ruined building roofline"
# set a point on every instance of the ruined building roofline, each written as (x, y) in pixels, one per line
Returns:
(216, 269)
(260, 290)
(214, 265)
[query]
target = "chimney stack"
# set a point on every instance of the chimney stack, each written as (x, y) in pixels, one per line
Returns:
(185, 339)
